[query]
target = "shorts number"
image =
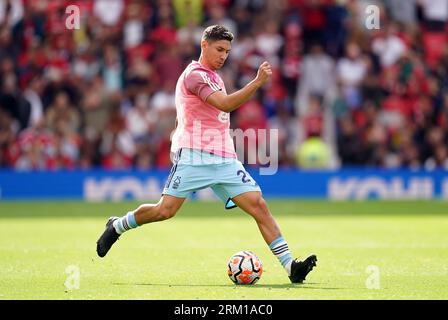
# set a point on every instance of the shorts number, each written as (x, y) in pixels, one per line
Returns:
(244, 176)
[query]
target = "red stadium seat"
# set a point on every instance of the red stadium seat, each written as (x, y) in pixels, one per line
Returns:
(434, 44)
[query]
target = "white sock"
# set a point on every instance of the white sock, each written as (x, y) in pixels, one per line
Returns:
(280, 249)
(125, 223)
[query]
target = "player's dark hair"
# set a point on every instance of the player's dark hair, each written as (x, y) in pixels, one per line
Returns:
(216, 33)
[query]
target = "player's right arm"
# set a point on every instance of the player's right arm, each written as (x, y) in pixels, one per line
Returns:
(231, 102)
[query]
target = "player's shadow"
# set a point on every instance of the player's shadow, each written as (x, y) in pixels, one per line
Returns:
(309, 285)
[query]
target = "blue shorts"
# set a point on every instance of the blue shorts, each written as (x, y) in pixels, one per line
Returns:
(195, 170)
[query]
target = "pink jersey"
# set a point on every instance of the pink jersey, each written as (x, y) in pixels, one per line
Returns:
(200, 125)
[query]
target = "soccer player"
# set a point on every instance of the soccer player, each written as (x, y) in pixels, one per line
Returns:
(209, 160)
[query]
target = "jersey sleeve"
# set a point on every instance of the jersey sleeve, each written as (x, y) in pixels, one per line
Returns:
(200, 83)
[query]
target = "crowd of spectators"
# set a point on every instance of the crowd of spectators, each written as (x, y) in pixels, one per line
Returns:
(102, 95)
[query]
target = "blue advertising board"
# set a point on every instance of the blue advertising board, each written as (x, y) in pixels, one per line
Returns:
(344, 184)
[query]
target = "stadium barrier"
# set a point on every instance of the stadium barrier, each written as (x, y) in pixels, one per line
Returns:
(344, 184)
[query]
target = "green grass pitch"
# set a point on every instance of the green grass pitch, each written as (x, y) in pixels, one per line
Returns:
(366, 250)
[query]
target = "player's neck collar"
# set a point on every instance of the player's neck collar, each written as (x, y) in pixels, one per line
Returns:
(204, 66)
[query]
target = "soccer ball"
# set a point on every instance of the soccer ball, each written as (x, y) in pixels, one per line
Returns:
(244, 267)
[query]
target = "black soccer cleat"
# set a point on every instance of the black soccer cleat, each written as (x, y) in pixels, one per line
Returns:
(300, 269)
(108, 238)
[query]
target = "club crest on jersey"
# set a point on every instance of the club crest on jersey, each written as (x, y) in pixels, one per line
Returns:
(176, 182)
(223, 117)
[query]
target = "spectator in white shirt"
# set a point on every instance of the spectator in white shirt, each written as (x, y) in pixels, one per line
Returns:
(389, 47)
(108, 11)
(11, 12)
(435, 10)
(140, 118)
(317, 77)
(351, 70)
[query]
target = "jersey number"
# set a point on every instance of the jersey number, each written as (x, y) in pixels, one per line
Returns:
(244, 176)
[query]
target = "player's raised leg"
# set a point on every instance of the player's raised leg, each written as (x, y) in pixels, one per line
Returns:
(145, 213)
(254, 204)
